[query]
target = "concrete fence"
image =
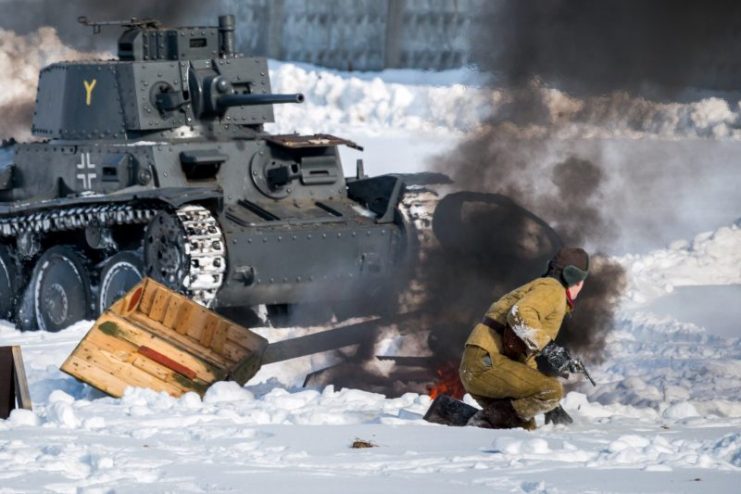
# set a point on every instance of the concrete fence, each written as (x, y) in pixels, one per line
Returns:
(359, 34)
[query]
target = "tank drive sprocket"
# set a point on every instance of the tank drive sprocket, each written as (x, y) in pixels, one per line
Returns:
(185, 250)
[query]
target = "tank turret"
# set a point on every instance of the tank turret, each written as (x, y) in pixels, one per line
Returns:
(164, 79)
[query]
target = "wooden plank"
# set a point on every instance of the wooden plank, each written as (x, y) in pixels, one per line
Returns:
(118, 306)
(159, 305)
(196, 326)
(96, 377)
(21, 383)
(128, 373)
(127, 354)
(7, 383)
(183, 342)
(151, 367)
(245, 369)
(217, 342)
(166, 361)
(194, 316)
(162, 372)
(185, 316)
(205, 365)
(173, 310)
(245, 338)
(209, 329)
(234, 352)
(150, 289)
(110, 343)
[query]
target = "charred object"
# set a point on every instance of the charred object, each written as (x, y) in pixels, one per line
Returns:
(157, 164)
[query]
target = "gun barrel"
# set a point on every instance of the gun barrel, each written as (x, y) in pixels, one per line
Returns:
(586, 373)
(230, 100)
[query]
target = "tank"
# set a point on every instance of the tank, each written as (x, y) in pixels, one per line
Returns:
(157, 164)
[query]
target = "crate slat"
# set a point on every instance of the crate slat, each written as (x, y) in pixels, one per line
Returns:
(172, 312)
(159, 305)
(160, 339)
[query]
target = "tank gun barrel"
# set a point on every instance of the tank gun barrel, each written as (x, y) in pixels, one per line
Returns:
(229, 100)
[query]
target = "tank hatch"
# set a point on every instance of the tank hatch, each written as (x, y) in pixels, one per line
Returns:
(147, 39)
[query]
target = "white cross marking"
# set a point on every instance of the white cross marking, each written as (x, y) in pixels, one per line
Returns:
(83, 165)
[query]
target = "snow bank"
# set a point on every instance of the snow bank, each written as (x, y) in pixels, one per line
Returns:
(676, 369)
(712, 258)
(656, 453)
(339, 102)
(457, 101)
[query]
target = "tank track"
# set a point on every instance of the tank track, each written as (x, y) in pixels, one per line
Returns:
(75, 218)
(417, 207)
(204, 244)
(204, 241)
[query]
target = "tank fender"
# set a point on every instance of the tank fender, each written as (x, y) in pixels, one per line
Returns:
(379, 194)
(179, 196)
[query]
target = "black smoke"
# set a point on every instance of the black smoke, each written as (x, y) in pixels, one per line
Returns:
(659, 47)
(525, 46)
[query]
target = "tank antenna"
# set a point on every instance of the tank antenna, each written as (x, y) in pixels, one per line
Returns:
(131, 23)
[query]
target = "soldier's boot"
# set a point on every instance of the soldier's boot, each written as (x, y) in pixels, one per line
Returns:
(558, 416)
(446, 410)
(499, 414)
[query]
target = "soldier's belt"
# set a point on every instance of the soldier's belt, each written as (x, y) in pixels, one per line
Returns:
(512, 346)
(494, 324)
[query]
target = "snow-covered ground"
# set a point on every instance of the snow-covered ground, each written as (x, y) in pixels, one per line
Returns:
(664, 417)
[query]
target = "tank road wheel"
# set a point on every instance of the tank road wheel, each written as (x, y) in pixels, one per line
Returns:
(120, 274)
(165, 258)
(60, 288)
(8, 283)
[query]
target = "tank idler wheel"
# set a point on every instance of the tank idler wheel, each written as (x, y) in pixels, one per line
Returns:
(120, 274)
(8, 283)
(60, 289)
(164, 251)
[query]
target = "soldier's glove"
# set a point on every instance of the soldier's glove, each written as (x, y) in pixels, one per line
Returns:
(558, 416)
(554, 360)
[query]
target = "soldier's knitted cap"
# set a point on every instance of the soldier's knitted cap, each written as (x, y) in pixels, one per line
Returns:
(573, 263)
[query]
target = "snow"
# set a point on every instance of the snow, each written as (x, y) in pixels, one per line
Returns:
(664, 417)
(666, 413)
(711, 258)
(454, 102)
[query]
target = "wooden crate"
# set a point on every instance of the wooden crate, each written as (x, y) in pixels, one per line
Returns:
(156, 338)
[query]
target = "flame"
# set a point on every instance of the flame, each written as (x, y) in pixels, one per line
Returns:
(447, 383)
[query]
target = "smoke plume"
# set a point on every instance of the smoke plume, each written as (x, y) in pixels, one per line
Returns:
(21, 59)
(577, 68)
(518, 151)
(660, 47)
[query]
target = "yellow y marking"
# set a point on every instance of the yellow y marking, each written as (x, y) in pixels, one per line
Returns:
(89, 86)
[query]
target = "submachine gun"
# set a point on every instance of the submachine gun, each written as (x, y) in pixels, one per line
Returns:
(555, 360)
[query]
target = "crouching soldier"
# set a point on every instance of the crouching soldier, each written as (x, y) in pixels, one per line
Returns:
(498, 368)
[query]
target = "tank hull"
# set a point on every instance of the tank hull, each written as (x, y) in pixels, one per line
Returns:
(308, 262)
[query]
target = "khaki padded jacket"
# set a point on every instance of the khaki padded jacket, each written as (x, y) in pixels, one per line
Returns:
(534, 311)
